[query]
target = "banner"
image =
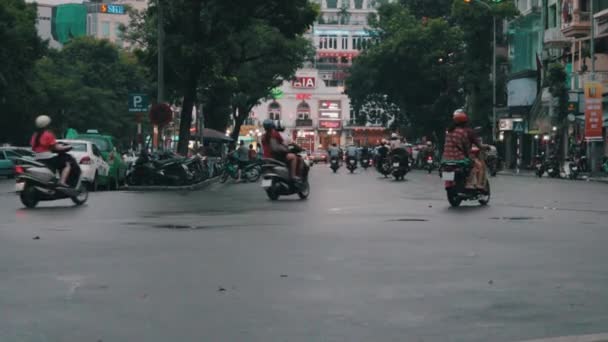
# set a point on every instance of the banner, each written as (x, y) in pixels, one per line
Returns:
(594, 117)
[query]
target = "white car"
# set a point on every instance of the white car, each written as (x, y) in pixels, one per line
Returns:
(90, 160)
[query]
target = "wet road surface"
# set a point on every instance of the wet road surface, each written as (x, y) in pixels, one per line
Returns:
(364, 259)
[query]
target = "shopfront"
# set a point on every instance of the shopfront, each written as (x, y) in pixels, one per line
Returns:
(368, 136)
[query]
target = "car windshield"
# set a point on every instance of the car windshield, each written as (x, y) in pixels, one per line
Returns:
(78, 147)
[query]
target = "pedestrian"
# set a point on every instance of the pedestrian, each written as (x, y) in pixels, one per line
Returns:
(253, 154)
(242, 155)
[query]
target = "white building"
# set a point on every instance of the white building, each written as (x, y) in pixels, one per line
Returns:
(106, 19)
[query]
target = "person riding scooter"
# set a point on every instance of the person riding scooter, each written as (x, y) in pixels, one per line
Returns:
(458, 145)
(48, 151)
(274, 147)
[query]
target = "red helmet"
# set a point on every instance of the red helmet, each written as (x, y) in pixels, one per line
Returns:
(460, 116)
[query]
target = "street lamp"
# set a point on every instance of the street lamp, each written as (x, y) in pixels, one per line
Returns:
(493, 62)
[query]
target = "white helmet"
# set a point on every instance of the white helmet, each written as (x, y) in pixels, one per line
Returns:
(43, 121)
(394, 136)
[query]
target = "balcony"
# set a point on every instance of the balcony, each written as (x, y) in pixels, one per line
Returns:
(578, 25)
(303, 122)
(554, 38)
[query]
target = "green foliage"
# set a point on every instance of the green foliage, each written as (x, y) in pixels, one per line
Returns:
(204, 47)
(426, 8)
(415, 64)
(19, 49)
(85, 85)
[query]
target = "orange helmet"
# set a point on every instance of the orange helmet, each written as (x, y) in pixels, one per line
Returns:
(460, 116)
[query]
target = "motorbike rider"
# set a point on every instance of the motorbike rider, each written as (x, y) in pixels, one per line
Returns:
(274, 147)
(458, 145)
(45, 145)
(398, 148)
(352, 152)
(334, 152)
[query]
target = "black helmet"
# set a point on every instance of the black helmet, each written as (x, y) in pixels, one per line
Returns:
(268, 124)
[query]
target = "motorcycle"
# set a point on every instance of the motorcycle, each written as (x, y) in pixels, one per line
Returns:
(539, 166)
(250, 173)
(335, 164)
(198, 167)
(605, 165)
(160, 169)
(365, 163)
(351, 164)
(430, 164)
(573, 167)
(276, 181)
(383, 166)
(552, 167)
(455, 175)
(38, 182)
(400, 166)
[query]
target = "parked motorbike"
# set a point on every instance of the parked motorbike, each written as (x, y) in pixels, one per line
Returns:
(160, 169)
(455, 175)
(198, 167)
(605, 165)
(38, 182)
(552, 167)
(573, 168)
(351, 164)
(334, 164)
(539, 165)
(276, 181)
(250, 173)
(400, 166)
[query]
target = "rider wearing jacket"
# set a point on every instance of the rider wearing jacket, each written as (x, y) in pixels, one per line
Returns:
(44, 144)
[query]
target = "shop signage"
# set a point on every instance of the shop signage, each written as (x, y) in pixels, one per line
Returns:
(303, 96)
(276, 93)
(330, 105)
(304, 83)
(330, 124)
(330, 115)
(593, 111)
(507, 124)
(112, 9)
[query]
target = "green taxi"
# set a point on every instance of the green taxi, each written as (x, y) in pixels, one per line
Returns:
(108, 147)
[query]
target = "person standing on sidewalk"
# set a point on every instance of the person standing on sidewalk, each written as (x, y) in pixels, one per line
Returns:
(242, 155)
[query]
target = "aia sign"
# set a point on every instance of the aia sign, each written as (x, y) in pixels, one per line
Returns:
(304, 83)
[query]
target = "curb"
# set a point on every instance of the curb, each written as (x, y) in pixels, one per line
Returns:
(196, 186)
(532, 175)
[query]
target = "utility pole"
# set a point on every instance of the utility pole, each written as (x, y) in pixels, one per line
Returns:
(494, 79)
(160, 95)
(591, 144)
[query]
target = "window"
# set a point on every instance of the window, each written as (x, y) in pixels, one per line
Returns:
(359, 4)
(344, 43)
(79, 147)
(96, 151)
(551, 16)
(2, 157)
(105, 29)
(303, 111)
(332, 3)
(119, 33)
(328, 42)
(12, 155)
(274, 111)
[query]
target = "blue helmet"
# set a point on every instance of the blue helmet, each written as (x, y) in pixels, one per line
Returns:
(268, 124)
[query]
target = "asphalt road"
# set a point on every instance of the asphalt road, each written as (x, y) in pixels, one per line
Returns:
(364, 259)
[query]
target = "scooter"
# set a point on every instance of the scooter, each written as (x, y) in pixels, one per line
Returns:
(455, 176)
(351, 164)
(37, 182)
(539, 166)
(335, 164)
(430, 164)
(552, 167)
(573, 168)
(383, 165)
(276, 181)
(365, 163)
(400, 166)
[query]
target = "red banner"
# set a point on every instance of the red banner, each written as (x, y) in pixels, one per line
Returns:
(594, 118)
(330, 124)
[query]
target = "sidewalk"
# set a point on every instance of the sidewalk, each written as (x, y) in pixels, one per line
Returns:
(530, 173)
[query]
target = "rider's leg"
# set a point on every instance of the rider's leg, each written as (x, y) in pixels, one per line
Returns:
(291, 163)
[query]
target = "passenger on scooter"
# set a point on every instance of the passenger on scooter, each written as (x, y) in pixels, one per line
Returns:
(352, 152)
(334, 152)
(458, 146)
(45, 145)
(274, 147)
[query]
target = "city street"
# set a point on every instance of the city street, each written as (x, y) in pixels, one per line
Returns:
(363, 259)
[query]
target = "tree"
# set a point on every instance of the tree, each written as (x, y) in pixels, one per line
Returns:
(86, 84)
(416, 64)
(20, 49)
(200, 35)
(426, 8)
(344, 14)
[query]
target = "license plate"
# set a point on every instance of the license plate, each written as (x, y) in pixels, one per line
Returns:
(550, 170)
(352, 161)
(429, 162)
(334, 161)
(395, 164)
(266, 183)
(538, 166)
(448, 176)
(575, 168)
(19, 186)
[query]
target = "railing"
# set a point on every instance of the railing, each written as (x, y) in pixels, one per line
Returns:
(578, 18)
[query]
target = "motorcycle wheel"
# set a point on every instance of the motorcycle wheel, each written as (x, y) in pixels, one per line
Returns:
(272, 194)
(253, 175)
(335, 170)
(453, 198)
(224, 177)
(28, 197)
(83, 195)
(485, 199)
(303, 194)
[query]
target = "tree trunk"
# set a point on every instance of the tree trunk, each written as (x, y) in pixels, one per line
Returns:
(241, 113)
(186, 115)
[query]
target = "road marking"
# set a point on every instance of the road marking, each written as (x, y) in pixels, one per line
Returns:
(579, 338)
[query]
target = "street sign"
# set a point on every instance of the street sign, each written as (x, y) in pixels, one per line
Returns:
(138, 103)
(593, 111)
(518, 126)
